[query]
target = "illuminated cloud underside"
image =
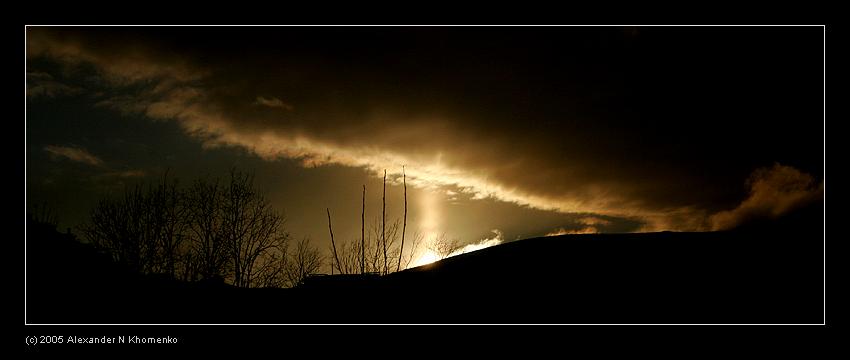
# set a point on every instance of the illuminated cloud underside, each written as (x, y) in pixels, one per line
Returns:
(187, 106)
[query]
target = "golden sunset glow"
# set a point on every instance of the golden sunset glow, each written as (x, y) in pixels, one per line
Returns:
(429, 226)
(427, 256)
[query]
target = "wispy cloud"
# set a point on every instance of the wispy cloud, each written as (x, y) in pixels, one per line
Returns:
(593, 220)
(587, 225)
(774, 191)
(273, 102)
(41, 84)
(497, 239)
(73, 154)
(561, 231)
(81, 155)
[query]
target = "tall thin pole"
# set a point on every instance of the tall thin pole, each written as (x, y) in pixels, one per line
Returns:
(384, 221)
(404, 226)
(363, 234)
(336, 258)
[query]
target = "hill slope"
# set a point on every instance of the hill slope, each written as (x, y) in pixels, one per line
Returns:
(767, 273)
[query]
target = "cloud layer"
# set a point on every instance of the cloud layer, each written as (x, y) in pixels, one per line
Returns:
(563, 153)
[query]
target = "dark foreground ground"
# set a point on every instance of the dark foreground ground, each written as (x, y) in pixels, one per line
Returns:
(765, 273)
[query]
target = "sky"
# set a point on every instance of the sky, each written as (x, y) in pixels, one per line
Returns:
(504, 133)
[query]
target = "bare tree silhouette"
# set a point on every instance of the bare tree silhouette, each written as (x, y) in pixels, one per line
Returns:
(333, 244)
(209, 231)
(384, 222)
(251, 228)
(304, 260)
(350, 257)
(363, 233)
(415, 242)
(272, 271)
(378, 238)
(227, 231)
(43, 214)
(168, 217)
(142, 230)
(444, 247)
(209, 258)
(350, 253)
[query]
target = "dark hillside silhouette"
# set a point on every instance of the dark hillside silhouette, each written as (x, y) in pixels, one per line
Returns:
(765, 273)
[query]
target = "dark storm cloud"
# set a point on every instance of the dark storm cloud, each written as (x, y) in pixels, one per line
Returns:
(600, 121)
